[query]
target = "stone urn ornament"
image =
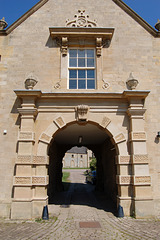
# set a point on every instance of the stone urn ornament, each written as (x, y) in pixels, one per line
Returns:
(157, 26)
(132, 82)
(3, 24)
(30, 82)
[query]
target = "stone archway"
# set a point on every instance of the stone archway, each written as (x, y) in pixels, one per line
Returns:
(118, 140)
(31, 175)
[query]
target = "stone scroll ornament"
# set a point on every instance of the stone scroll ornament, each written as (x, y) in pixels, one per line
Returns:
(81, 20)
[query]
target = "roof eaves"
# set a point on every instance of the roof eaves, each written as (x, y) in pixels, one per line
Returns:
(23, 18)
(137, 18)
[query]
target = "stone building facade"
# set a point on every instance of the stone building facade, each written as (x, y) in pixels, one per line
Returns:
(77, 157)
(79, 68)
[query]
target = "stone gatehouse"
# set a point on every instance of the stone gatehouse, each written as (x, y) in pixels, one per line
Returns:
(73, 69)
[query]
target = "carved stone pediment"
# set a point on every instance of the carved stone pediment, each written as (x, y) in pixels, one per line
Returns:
(81, 20)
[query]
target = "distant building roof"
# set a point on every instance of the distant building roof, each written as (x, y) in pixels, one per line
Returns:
(80, 150)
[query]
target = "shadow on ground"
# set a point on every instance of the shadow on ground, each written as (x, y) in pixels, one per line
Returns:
(83, 194)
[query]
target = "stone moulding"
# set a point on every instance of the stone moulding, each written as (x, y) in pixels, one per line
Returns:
(31, 181)
(32, 160)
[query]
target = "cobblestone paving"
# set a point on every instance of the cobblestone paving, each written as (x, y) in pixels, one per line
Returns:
(84, 207)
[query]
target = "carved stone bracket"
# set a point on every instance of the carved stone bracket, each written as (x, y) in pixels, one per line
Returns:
(82, 112)
(64, 47)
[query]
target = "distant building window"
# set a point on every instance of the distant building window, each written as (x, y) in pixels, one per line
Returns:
(81, 156)
(82, 69)
(72, 156)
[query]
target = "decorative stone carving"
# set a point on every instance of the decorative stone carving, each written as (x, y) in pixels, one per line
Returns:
(132, 82)
(32, 160)
(22, 180)
(38, 180)
(40, 160)
(119, 138)
(140, 159)
(82, 112)
(60, 122)
(99, 46)
(24, 159)
(124, 160)
(138, 136)
(123, 180)
(105, 122)
(105, 84)
(3, 24)
(142, 180)
(57, 85)
(26, 136)
(30, 82)
(157, 25)
(81, 20)
(64, 46)
(45, 138)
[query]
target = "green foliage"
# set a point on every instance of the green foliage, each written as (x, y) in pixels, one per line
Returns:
(93, 164)
(65, 177)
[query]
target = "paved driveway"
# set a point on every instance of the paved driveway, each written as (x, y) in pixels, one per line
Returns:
(81, 215)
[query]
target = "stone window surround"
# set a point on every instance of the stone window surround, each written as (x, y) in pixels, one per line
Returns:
(68, 37)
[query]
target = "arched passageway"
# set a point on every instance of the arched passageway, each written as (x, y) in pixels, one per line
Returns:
(96, 139)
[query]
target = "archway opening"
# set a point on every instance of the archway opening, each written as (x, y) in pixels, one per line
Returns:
(92, 137)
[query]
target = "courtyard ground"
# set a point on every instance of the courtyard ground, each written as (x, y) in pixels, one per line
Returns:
(80, 214)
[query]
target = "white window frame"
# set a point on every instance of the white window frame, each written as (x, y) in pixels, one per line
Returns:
(82, 68)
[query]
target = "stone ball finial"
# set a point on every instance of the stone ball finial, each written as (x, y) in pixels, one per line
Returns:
(30, 81)
(157, 26)
(132, 82)
(3, 24)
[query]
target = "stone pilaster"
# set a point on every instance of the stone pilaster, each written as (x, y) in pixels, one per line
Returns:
(141, 180)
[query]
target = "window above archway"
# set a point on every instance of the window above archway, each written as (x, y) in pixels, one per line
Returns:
(81, 31)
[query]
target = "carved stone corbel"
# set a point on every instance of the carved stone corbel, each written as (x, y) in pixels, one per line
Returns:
(98, 46)
(82, 112)
(64, 46)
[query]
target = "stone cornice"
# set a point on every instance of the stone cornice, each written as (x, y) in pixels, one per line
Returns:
(92, 32)
(87, 95)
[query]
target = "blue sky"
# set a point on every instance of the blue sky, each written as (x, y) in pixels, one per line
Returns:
(149, 10)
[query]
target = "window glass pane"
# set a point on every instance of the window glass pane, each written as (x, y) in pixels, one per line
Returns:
(81, 84)
(73, 62)
(90, 53)
(90, 74)
(81, 74)
(81, 62)
(72, 84)
(91, 84)
(81, 53)
(73, 52)
(72, 73)
(90, 62)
